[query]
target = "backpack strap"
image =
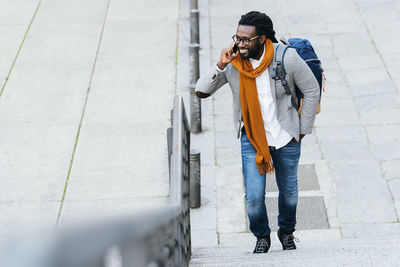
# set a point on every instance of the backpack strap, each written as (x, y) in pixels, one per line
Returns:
(278, 70)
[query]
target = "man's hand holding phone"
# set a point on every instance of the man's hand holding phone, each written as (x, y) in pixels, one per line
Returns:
(227, 55)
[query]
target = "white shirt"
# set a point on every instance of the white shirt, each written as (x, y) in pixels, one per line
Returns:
(276, 135)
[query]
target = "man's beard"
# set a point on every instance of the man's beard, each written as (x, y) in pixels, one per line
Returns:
(252, 52)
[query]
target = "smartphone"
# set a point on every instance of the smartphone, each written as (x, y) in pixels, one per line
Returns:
(235, 48)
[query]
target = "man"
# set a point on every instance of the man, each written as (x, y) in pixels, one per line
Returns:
(272, 128)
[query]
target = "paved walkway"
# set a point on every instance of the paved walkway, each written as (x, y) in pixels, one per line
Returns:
(85, 108)
(355, 142)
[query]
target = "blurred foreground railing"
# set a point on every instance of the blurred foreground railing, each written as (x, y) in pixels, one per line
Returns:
(156, 238)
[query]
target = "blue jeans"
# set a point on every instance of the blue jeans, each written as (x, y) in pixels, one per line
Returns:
(285, 162)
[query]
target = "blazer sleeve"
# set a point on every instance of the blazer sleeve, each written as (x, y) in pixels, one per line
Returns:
(308, 85)
(210, 82)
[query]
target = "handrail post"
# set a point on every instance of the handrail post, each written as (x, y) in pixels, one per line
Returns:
(195, 185)
(195, 102)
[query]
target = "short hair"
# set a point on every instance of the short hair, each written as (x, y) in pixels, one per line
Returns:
(261, 21)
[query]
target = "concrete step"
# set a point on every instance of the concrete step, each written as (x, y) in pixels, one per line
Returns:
(345, 252)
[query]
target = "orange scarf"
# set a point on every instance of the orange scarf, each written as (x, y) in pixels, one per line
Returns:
(251, 112)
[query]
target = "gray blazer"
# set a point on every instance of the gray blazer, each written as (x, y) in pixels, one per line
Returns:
(297, 73)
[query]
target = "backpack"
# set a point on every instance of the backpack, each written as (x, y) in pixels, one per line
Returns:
(306, 52)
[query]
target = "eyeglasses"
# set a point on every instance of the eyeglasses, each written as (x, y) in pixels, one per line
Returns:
(245, 41)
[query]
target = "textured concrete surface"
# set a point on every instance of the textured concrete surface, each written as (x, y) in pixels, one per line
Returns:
(350, 252)
(85, 108)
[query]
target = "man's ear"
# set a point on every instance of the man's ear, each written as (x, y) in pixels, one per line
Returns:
(262, 39)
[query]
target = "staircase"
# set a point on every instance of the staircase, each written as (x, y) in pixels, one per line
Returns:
(344, 252)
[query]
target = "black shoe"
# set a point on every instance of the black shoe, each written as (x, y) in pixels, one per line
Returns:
(263, 244)
(287, 240)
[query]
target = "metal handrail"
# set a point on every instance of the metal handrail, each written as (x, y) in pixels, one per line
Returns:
(159, 237)
(180, 171)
